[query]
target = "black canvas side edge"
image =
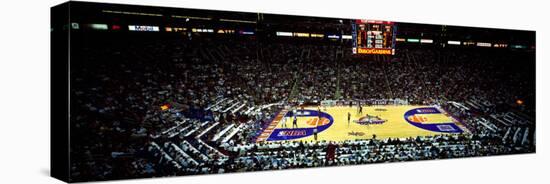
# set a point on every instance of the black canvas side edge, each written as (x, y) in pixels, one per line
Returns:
(59, 89)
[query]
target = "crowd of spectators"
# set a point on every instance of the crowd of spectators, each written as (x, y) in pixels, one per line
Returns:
(159, 107)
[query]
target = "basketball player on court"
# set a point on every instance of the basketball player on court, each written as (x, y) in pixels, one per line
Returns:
(283, 125)
(349, 118)
(315, 133)
(294, 122)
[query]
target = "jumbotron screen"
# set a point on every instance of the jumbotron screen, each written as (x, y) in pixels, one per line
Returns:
(373, 37)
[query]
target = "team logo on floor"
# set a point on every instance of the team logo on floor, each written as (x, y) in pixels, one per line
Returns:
(322, 124)
(417, 117)
(292, 133)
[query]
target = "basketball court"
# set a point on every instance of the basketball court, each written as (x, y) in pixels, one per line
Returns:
(390, 121)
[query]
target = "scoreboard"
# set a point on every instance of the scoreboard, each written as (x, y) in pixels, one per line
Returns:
(373, 37)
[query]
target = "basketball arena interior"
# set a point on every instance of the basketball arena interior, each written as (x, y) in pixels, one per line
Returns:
(168, 91)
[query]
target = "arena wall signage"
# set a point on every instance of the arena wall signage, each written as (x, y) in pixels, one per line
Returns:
(143, 28)
(140, 92)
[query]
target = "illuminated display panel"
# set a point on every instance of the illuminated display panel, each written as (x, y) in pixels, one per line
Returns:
(373, 37)
(143, 28)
